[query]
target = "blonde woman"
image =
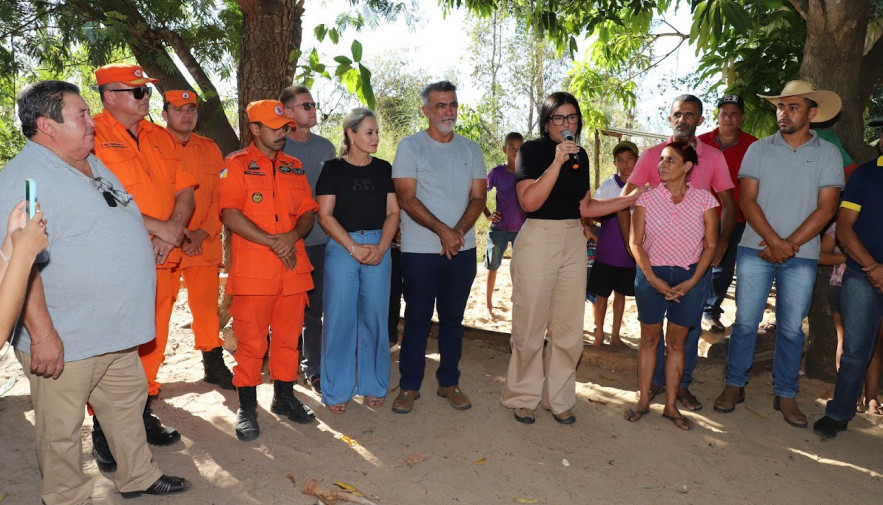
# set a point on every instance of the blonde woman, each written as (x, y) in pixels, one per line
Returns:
(359, 211)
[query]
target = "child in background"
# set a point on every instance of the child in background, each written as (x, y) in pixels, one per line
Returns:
(614, 268)
(508, 217)
(24, 241)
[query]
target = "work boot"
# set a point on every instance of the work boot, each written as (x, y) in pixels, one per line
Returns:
(100, 449)
(286, 404)
(216, 371)
(728, 399)
(247, 416)
(790, 411)
(157, 434)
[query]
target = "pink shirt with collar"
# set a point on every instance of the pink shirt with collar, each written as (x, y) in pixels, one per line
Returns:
(710, 173)
(674, 233)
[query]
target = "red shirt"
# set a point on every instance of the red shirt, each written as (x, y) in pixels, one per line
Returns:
(733, 153)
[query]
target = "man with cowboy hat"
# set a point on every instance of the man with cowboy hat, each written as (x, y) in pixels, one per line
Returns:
(789, 186)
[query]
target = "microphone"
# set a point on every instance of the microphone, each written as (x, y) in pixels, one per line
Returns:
(574, 159)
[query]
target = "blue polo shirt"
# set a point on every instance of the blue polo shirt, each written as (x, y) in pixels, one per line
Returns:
(862, 194)
(789, 180)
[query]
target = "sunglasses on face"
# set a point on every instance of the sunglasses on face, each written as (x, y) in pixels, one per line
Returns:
(111, 195)
(305, 105)
(137, 93)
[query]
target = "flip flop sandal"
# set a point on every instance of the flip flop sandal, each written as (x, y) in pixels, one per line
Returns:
(681, 422)
(689, 400)
(632, 415)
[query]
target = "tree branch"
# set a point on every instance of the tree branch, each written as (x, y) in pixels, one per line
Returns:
(802, 7)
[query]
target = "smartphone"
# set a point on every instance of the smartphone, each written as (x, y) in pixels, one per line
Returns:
(31, 196)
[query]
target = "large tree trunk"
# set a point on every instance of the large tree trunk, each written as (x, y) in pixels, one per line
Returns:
(834, 59)
(271, 35)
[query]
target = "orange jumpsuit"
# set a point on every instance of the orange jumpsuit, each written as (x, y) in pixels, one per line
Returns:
(273, 194)
(151, 171)
(204, 160)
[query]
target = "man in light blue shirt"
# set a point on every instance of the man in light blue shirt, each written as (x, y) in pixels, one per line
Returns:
(440, 181)
(789, 187)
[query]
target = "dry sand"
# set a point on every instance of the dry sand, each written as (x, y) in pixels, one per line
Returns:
(436, 455)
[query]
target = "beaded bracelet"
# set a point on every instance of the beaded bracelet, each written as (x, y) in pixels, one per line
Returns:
(4, 256)
(353, 248)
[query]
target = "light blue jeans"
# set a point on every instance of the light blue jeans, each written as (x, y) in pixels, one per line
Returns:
(355, 348)
(795, 280)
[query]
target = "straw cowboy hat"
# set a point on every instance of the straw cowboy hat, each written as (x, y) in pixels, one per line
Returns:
(828, 101)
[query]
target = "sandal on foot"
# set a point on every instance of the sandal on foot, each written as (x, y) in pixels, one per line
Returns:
(874, 407)
(689, 400)
(340, 408)
(681, 422)
(633, 415)
(374, 401)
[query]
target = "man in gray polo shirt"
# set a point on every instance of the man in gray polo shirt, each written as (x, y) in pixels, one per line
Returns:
(440, 181)
(312, 150)
(90, 303)
(789, 187)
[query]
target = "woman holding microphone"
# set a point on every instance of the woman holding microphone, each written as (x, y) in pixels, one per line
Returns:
(549, 264)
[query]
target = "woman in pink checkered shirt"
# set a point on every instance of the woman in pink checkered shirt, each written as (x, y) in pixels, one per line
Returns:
(673, 235)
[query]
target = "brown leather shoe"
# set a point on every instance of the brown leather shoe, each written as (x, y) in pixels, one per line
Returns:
(790, 411)
(728, 399)
(456, 398)
(404, 402)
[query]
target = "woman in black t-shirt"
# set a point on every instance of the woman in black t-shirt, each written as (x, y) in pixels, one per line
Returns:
(549, 264)
(359, 211)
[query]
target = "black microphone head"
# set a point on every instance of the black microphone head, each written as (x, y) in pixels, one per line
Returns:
(567, 134)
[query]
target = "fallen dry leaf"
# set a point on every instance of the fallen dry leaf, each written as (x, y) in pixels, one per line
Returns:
(526, 500)
(758, 414)
(599, 402)
(481, 461)
(415, 458)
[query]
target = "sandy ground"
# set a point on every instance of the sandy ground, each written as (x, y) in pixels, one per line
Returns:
(436, 455)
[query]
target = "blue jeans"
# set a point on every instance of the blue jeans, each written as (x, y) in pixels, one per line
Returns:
(722, 275)
(795, 280)
(355, 351)
(497, 242)
(433, 281)
(691, 345)
(862, 306)
(311, 348)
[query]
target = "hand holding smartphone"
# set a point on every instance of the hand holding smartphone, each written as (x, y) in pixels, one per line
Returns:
(31, 197)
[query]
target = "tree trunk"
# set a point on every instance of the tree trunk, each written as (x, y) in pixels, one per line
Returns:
(822, 346)
(271, 34)
(833, 60)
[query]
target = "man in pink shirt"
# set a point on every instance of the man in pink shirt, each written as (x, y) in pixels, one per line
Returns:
(712, 174)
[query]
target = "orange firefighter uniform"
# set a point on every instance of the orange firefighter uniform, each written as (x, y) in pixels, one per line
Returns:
(200, 272)
(273, 194)
(152, 171)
